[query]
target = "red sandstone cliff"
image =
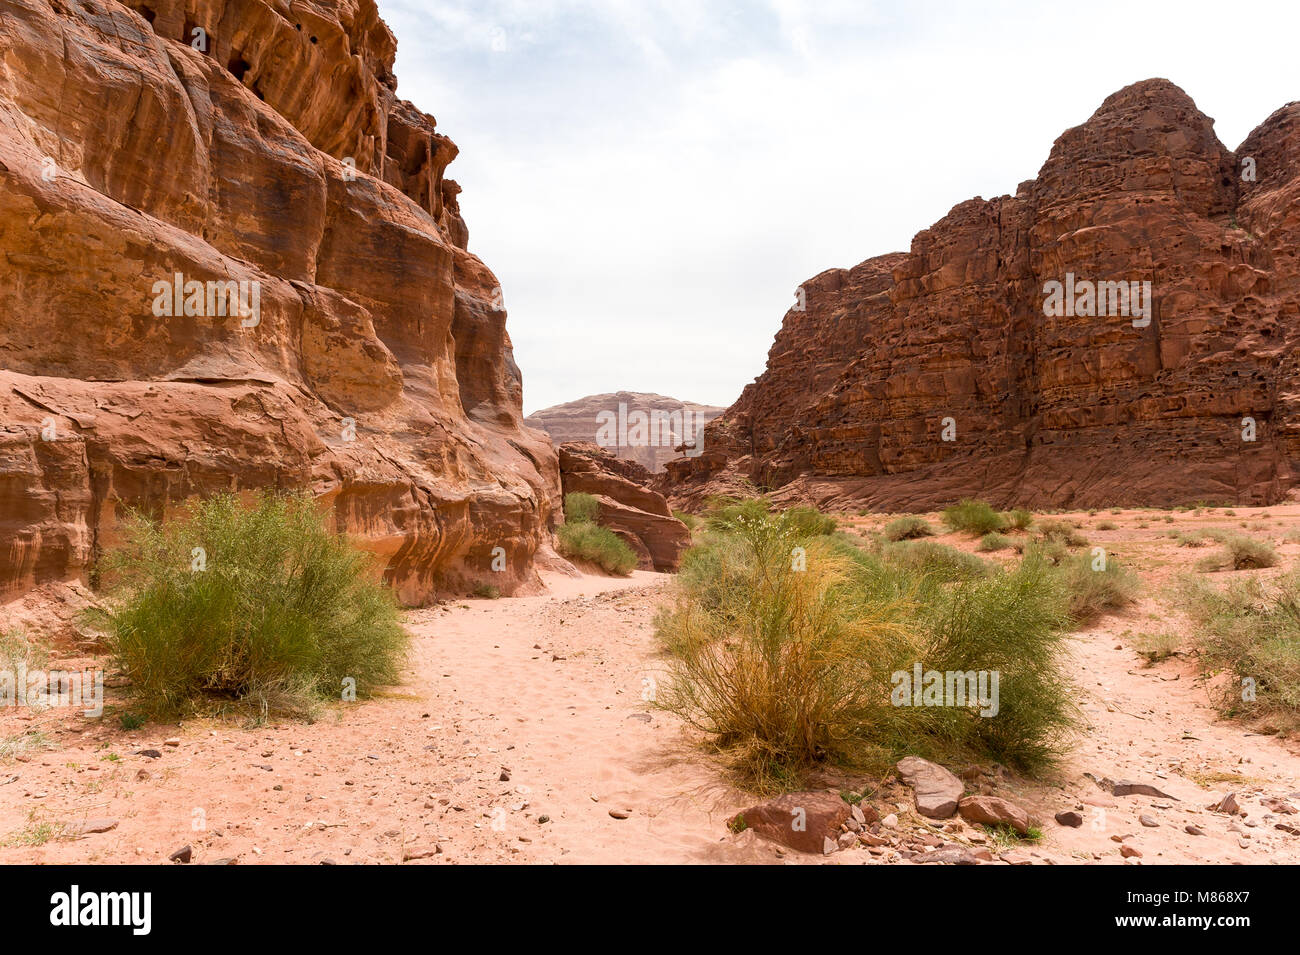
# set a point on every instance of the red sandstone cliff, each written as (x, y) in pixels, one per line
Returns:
(1045, 410)
(249, 141)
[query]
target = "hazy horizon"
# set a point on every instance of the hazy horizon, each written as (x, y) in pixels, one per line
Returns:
(650, 181)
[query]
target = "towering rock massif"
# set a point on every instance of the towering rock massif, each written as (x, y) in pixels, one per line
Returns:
(588, 419)
(951, 340)
(262, 142)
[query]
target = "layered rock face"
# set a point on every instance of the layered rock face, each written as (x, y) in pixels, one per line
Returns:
(151, 153)
(632, 425)
(628, 507)
(914, 379)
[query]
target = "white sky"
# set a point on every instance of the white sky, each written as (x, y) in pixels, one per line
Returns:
(651, 179)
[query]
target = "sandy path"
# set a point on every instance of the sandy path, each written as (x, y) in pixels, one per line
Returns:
(548, 688)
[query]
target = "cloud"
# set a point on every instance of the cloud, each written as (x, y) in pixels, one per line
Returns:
(651, 180)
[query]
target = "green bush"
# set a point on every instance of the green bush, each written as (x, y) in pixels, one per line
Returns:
(581, 508)
(1060, 531)
(973, 517)
(257, 606)
(810, 522)
(1094, 593)
(599, 545)
(908, 528)
(994, 541)
(1019, 519)
(1239, 553)
(783, 650)
(932, 559)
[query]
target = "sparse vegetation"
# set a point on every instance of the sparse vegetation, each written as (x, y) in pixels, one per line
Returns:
(973, 517)
(1095, 591)
(994, 541)
(1019, 519)
(596, 544)
(1250, 628)
(255, 607)
(1063, 532)
(581, 538)
(908, 528)
(1239, 552)
(690, 520)
(932, 559)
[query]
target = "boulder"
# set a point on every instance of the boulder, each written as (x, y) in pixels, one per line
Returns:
(803, 821)
(994, 811)
(937, 791)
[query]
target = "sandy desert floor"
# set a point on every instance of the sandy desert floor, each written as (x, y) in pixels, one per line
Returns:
(522, 735)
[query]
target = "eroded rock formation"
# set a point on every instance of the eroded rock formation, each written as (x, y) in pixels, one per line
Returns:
(611, 422)
(917, 378)
(258, 142)
(628, 507)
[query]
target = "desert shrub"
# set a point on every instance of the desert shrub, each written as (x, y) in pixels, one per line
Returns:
(487, 591)
(1019, 519)
(994, 541)
(583, 540)
(1053, 529)
(810, 522)
(932, 559)
(690, 520)
(581, 508)
(1189, 538)
(1094, 592)
(1250, 628)
(769, 661)
(1106, 525)
(255, 606)
(1239, 552)
(1050, 551)
(908, 528)
(786, 669)
(973, 517)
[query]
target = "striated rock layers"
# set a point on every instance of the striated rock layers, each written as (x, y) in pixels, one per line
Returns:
(651, 440)
(637, 514)
(917, 378)
(151, 152)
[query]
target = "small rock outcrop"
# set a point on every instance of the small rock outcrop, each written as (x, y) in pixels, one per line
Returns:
(640, 516)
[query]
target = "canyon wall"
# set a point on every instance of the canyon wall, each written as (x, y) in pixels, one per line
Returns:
(914, 379)
(262, 142)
